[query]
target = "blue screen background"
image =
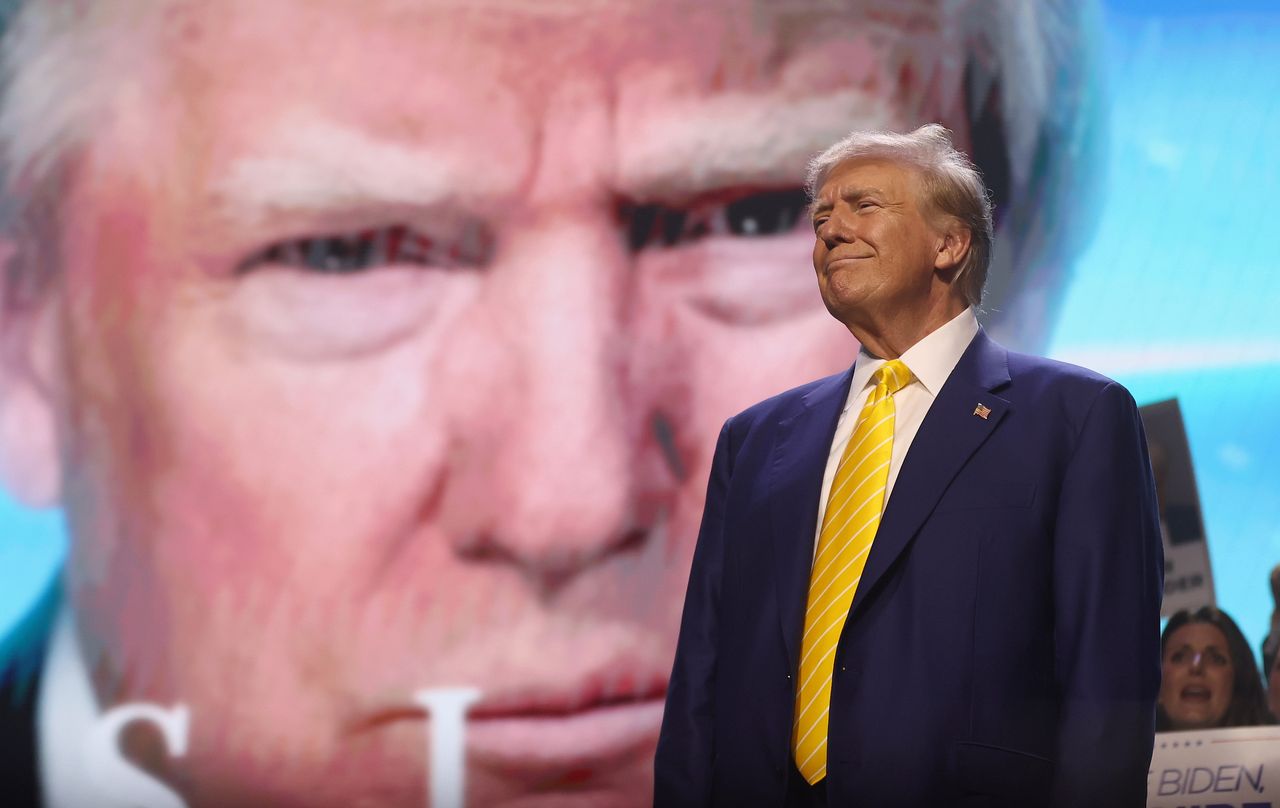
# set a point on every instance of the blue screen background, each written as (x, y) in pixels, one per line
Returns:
(1177, 293)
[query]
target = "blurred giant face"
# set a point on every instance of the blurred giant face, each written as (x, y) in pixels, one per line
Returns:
(395, 337)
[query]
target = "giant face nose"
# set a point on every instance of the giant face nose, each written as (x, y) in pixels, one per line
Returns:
(547, 477)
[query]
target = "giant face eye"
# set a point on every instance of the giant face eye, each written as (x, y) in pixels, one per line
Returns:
(367, 249)
(759, 214)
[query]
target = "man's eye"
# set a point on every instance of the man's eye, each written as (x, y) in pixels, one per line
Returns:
(765, 213)
(364, 250)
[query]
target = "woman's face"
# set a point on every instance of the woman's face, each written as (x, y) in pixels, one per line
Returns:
(1198, 677)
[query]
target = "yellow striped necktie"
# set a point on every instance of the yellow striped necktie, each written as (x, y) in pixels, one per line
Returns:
(848, 527)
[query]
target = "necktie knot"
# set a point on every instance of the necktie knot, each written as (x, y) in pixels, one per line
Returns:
(893, 376)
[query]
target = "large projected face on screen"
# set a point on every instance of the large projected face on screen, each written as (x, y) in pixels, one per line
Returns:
(378, 346)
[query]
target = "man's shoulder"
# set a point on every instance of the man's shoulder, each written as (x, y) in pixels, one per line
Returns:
(1034, 365)
(1034, 372)
(1062, 389)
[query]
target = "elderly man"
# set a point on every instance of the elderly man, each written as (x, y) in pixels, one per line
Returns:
(934, 578)
(374, 346)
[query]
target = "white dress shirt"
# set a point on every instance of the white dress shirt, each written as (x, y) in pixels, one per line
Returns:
(66, 711)
(931, 360)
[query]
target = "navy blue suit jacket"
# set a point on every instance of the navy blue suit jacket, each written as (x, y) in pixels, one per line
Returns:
(1003, 645)
(22, 655)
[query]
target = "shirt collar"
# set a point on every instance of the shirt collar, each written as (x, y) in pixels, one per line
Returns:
(931, 359)
(66, 712)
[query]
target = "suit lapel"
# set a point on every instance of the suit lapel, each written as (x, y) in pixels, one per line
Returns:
(795, 484)
(950, 433)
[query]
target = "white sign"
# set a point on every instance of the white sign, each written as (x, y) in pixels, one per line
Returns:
(1216, 768)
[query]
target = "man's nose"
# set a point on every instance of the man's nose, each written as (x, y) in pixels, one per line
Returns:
(838, 228)
(562, 477)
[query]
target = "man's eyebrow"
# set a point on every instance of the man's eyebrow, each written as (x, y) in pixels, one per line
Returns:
(851, 196)
(315, 166)
(856, 194)
(680, 150)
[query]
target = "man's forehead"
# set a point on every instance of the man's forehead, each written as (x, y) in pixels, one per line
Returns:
(869, 173)
(620, 24)
(705, 46)
(715, 84)
(375, 53)
(471, 14)
(566, 8)
(524, 43)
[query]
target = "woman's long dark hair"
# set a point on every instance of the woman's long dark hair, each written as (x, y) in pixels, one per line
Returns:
(1248, 705)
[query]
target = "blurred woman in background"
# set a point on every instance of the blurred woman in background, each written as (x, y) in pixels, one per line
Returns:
(1209, 675)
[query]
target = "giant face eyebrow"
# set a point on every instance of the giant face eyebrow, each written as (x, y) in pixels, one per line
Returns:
(680, 148)
(314, 165)
(673, 150)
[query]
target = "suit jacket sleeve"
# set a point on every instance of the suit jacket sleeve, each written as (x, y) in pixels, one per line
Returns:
(1108, 583)
(686, 744)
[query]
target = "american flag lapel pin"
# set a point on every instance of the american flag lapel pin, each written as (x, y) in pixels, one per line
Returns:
(982, 411)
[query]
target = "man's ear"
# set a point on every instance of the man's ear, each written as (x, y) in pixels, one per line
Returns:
(952, 248)
(30, 461)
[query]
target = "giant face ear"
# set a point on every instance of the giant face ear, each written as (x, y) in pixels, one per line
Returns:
(30, 462)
